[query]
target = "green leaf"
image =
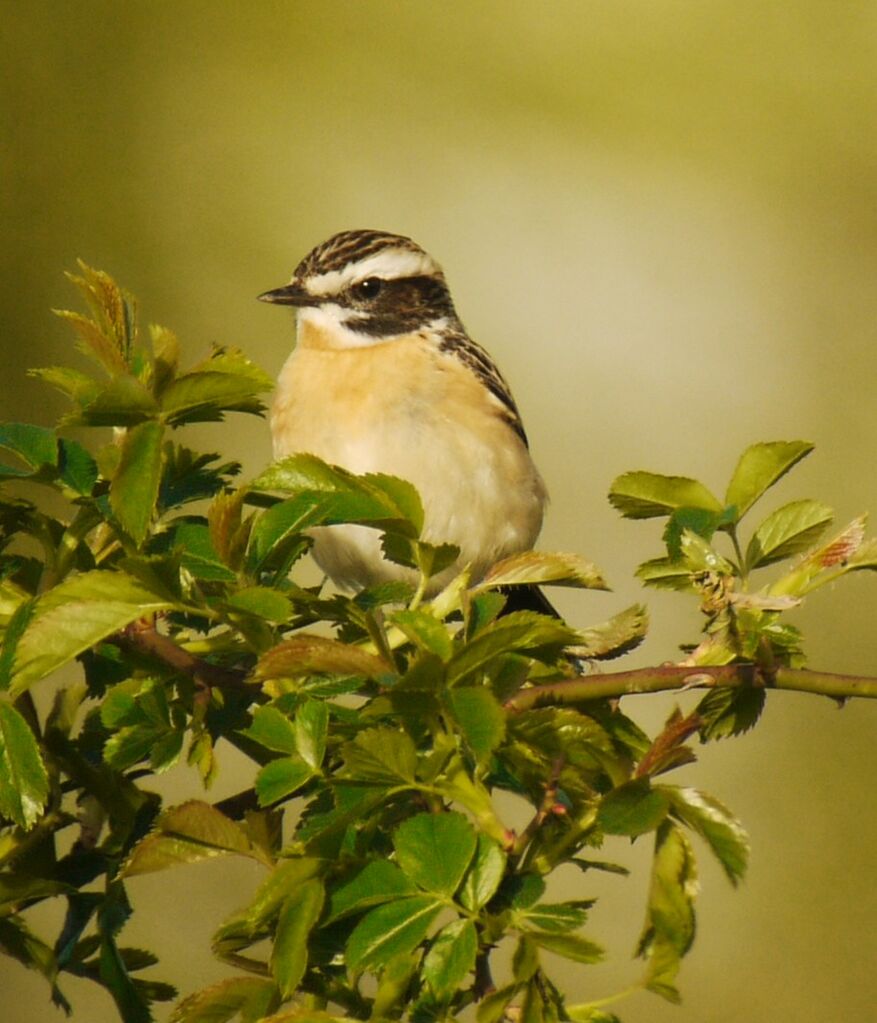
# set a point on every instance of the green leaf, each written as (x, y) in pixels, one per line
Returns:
(619, 635)
(644, 495)
(483, 877)
(24, 784)
(715, 823)
(556, 918)
(434, 850)
(124, 401)
(665, 573)
(480, 717)
(280, 778)
(282, 521)
(520, 631)
(36, 446)
(570, 946)
(379, 881)
(263, 602)
(199, 556)
(15, 629)
(188, 833)
(380, 755)
(134, 489)
(306, 654)
(272, 729)
(76, 614)
(536, 567)
(250, 997)
(225, 382)
(590, 1014)
(787, 531)
(451, 958)
(727, 712)
(669, 927)
(760, 466)
(289, 956)
(396, 928)
(19, 943)
(311, 732)
(633, 808)
(425, 631)
(78, 470)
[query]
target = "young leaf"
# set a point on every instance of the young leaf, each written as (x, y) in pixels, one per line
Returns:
(669, 927)
(188, 833)
(24, 784)
(380, 755)
(619, 635)
(250, 997)
(522, 630)
(379, 881)
(760, 466)
(134, 489)
(263, 602)
(434, 850)
(480, 717)
(425, 631)
(570, 946)
(289, 956)
(727, 712)
(451, 958)
(644, 495)
(484, 875)
(306, 654)
(530, 567)
(715, 823)
(632, 808)
(272, 729)
(787, 531)
(280, 778)
(311, 732)
(556, 918)
(393, 929)
(75, 615)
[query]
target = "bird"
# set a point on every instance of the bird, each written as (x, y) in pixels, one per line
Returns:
(384, 378)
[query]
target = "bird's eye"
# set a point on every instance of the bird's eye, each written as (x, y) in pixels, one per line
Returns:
(368, 288)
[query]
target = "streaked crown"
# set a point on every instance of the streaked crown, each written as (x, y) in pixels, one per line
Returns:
(377, 284)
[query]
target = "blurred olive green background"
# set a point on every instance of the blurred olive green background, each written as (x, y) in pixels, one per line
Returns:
(660, 217)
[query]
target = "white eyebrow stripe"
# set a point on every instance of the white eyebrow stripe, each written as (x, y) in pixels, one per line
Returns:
(389, 264)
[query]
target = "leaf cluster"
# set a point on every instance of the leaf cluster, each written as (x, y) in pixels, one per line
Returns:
(377, 724)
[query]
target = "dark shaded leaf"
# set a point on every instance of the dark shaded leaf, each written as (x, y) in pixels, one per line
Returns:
(379, 881)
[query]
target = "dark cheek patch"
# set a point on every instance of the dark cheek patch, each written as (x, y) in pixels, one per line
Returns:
(401, 307)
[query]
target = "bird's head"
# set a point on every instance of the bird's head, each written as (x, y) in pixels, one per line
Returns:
(362, 288)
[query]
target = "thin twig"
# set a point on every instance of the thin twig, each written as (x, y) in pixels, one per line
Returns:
(673, 676)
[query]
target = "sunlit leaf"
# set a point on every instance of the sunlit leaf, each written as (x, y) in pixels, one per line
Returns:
(380, 755)
(24, 784)
(787, 531)
(280, 778)
(715, 823)
(249, 997)
(521, 631)
(619, 635)
(425, 631)
(134, 488)
(760, 466)
(311, 732)
(289, 956)
(272, 729)
(643, 495)
(538, 567)
(263, 602)
(570, 946)
(396, 928)
(305, 654)
(451, 958)
(480, 717)
(633, 808)
(434, 850)
(379, 881)
(483, 877)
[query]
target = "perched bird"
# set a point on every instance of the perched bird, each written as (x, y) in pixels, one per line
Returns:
(384, 378)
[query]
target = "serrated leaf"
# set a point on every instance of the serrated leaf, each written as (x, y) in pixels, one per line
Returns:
(664, 573)
(134, 488)
(484, 875)
(307, 654)
(124, 401)
(556, 917)
(787, 531)
(36, 446)
(272, 729)
(760, 466)
(263, 602)
(277, 524)
(188, 833)
(570, 946)
(379, 881)
(94, 341)
(280, 778)
(76, 467)
(76, 614)
(633, 808)
(536, 567)
(393, 929)
(715, 823)
(311, 732)
(643, 495)
(669, 928)
(451, 958)
(726, 711)
(435, 849)
(204, 396)
(520, 631)
(249, 997)
(199, 556)
(298, 915)
(18, 622)
(425, 631)
(24, 784)
(619, 635)
(380, 755)
(480, 717)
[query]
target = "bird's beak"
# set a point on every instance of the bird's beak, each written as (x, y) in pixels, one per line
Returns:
(290, 294)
